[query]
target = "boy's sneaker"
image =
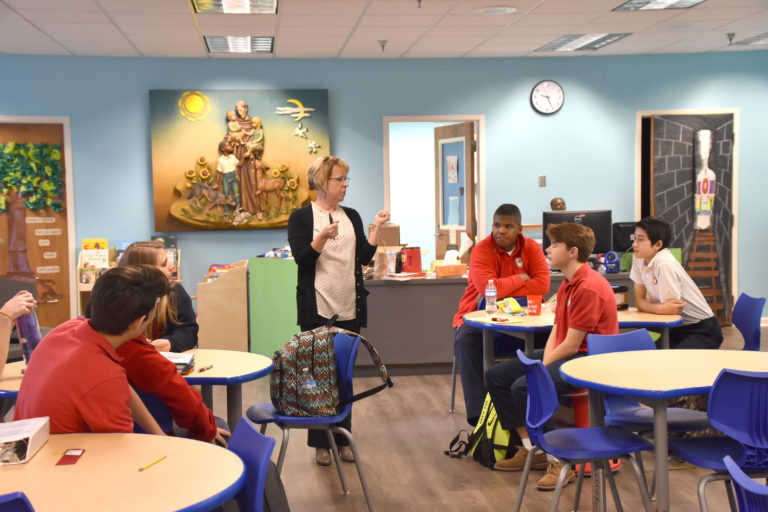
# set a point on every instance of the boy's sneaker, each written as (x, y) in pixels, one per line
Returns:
(549, 481)
(517, 461)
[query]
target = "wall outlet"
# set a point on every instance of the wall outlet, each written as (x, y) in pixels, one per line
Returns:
(542, 180)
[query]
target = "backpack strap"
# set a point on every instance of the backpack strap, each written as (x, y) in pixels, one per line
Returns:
(376, 360)
(458, 447)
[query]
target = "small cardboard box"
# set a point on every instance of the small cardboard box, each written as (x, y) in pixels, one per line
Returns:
(389, 234)
(20, 440)
(451, 270)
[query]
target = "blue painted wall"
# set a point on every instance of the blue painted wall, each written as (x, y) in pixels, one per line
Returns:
(587, 150)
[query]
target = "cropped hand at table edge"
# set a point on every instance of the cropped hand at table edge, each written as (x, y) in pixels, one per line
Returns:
(222, 437)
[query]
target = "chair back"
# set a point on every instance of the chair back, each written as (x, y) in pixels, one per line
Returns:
(745, 419)
(752, 496)
(254, 449)
(639, 339)
(15, 502)
(345, 347)
(746, 318)
(542, 399)
(158, 409)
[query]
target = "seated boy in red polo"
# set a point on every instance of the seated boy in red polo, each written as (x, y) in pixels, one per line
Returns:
(74, 375)
(585, 304)
(150, 372)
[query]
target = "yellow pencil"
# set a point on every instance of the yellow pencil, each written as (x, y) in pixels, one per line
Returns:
(151, 463)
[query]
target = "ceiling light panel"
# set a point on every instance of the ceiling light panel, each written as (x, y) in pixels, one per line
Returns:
(236, 6)
(239, 44)
(643, 5)
(759, 39)
(581, 42)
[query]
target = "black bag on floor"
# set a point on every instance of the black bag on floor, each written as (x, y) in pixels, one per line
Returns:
(275, 499)
(488, 443)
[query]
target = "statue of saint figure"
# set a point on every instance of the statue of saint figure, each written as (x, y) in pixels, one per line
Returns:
(704, 195)
(245, 135)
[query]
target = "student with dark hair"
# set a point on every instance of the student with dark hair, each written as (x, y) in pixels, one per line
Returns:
(585, 305)
(74, 375)
(662, 286)
(518, 267)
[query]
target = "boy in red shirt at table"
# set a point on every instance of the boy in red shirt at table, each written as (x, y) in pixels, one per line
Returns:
(518, 267)
(585, 304)
(149, 371)
(74, 375)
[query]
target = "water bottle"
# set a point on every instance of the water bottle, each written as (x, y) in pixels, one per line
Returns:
(490, 298)
(29, 334)
(307, 381)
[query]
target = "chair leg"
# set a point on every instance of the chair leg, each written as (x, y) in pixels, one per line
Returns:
(612, 482)
(731, 495)
(363, 482)
(337, 459)
(283, 447)
(579, 482)
(453, 383)
(701, 491)
(559, 487)
(524, 478)
(641, 483)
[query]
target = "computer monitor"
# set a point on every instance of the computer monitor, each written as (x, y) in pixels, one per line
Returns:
(598, 220)
(623, 236)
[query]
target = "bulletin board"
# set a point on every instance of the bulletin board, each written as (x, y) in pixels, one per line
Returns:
(36, 222)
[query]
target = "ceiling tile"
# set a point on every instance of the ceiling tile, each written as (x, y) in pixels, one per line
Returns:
(156, 6)
(386, 20)
(92, 16)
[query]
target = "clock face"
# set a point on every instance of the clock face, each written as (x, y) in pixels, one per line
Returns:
(547, 97)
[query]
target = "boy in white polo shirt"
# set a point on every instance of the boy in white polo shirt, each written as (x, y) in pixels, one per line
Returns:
(662, 286)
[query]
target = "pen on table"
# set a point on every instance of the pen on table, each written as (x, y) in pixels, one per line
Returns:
(204, 368)
(142, 468)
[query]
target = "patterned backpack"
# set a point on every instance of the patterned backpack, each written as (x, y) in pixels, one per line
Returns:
(313, 350)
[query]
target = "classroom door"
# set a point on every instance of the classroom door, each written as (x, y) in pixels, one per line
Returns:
(689, 183)
(454, 186)
(34, 214)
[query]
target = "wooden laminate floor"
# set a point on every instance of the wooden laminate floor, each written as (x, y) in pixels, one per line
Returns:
(401, 434)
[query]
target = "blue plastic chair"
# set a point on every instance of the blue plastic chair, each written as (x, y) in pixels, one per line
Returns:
(15, 502)
(746, 318)
(574, 445)
(751, 496)
(628, 413)
(264, 413)
(503, 346)
(255, 449)
(744, 421)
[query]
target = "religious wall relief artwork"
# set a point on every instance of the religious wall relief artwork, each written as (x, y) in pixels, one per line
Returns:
(234, 159)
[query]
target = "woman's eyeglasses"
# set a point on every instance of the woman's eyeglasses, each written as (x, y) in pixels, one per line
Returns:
(343, 179)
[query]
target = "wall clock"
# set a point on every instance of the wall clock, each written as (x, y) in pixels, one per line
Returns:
(547, 97)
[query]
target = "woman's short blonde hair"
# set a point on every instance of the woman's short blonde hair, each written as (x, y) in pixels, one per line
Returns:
(321, 170)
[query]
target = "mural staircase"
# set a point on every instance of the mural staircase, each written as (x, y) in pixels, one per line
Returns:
(704, 269)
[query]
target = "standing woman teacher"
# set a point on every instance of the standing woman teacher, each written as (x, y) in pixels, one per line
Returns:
(330, 247)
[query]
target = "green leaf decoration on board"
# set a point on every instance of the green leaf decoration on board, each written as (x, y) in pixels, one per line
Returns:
(34, 171)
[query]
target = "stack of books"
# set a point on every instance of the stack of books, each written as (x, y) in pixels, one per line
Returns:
(183, 361)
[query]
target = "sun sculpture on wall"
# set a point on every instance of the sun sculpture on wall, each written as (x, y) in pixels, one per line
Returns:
(194, 106)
